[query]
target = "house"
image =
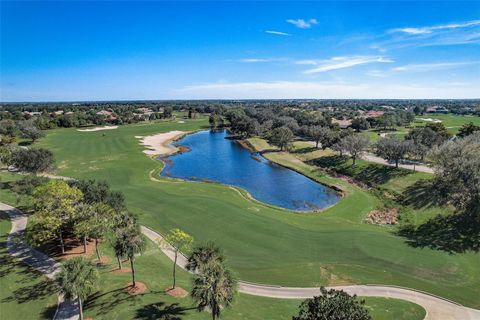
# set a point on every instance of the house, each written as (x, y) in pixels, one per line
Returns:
(108, 115)
(146, 111)
(33, 113)
(104, 113)
(436, 109)
(343, 124)
(374, 114)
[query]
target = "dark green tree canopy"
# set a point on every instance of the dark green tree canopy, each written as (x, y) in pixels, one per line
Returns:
(333, 305)
(32, 160)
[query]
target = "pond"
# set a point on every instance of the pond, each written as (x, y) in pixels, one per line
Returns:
(214, 158)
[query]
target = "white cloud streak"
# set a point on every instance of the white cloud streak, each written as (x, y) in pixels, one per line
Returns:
(278, 33)
(431, 29)
(432, 66)
(336, 63)
(303, 24)
(253, 60)
(317, 90)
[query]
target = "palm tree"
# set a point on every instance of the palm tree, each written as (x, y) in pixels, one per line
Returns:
(77, 278)
(118, 245)
(132, 242)
(180, 242)
(204, 255)
(214, 288)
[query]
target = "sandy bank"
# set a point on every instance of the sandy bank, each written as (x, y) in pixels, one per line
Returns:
(159, 144)
(98, 128)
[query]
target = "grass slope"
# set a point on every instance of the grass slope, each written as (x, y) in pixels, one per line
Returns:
(264, 244)
(154, 269)
(24, 293)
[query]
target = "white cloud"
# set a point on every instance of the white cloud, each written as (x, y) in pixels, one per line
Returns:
(252, 60)
(317, 90)
(341, 63)
(278, 33)
(433, 66)
(376, 73)
(431, 29)
(302, 24)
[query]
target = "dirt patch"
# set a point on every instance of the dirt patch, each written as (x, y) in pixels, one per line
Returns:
(73, 248)
(123, 270)
(177, 292)
(103, 260)
(384, 216)
(139, 288)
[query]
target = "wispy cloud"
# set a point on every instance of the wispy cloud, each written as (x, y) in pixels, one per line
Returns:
(341, 63)
(300, 89)
(303, 24)
(278, 33)
(431, 29)
(433, 66)
(377, 73)
(253, 60)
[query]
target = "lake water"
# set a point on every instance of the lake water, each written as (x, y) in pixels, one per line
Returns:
(215, 158)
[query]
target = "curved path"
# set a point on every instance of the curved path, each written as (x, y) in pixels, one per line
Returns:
(66, 310)
(436, 307)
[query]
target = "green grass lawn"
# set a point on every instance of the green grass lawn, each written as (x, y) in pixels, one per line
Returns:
(154, 269)
(24, 293)
(451, 121)
(264, 244)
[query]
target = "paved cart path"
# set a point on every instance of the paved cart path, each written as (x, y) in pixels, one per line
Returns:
(66, 310)
(436, 307)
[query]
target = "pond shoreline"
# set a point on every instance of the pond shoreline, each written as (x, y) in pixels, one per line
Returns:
(250, 147)
(302, 201)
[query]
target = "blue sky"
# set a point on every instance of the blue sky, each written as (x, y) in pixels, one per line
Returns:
(70, 51)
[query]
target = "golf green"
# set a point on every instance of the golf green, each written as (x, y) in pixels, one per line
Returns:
(263, 244)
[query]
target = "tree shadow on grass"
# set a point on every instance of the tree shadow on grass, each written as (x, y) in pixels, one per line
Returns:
(370, 174)
(454, 233)
(423, 193)
(329, 161)
(36, 291)
(161, 310)
(305, 150)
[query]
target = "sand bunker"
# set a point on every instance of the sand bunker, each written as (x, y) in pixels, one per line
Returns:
(431, 120)
(159, 144)
(98, 128)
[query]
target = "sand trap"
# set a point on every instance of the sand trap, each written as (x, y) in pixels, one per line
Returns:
(430, 120)
(159, 144)
(98, 128)
(180, 121)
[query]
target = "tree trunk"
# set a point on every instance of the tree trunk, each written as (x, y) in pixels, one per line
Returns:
(316, 144)
(354, 158)
(119, 263)
(80, 308)
(96, 249)
(133, 272)
(61, 241)
(396, 163)
(84, 244)
(175, 269)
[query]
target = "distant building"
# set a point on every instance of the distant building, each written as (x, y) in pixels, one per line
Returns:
(374, 114)
(343, 124)
(33, 113)
(104, 113)
(108, 114)
(436, 109)
(145, 110)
